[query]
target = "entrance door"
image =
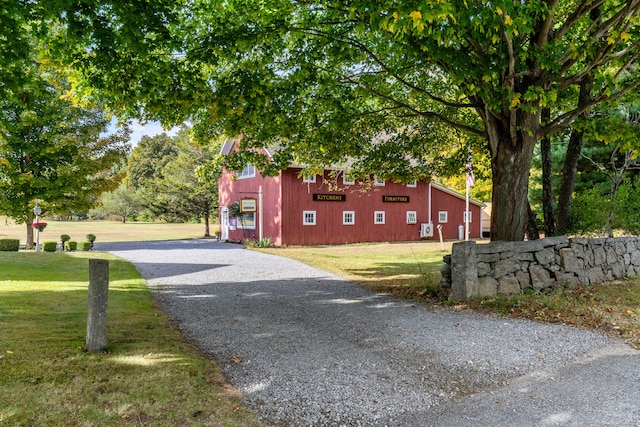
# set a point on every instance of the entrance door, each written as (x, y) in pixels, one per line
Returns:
(224, 223)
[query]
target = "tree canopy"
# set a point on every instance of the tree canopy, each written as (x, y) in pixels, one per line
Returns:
(52, 152)
(399, 88)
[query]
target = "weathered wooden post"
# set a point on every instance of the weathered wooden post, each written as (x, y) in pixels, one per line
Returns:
(97, 313)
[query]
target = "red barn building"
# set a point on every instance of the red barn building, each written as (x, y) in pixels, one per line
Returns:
(294, 210)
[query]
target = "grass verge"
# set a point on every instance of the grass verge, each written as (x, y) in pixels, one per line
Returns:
(105, 231)
(412, 270)
(148, 376)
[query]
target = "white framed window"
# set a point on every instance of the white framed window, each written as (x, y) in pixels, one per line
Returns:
(348, 217)
(412, 184)
(412, 217)
(247, 221)
(378, 182)
(347, 181)
(309, 179)
(249, 171)
(309, 218)
(378, 217)
(443, 217)
(467, 216)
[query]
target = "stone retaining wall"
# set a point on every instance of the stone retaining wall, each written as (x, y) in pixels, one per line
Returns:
(480, 270)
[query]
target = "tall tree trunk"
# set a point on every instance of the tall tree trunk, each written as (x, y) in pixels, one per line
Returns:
(532, 228)
(30, 237)
(571, 158)
(511, 153)
(574, 149)
(547, 180)
(206, 225)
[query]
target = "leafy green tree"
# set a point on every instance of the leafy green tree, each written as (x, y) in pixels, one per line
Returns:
(166, 172)
(123, 201)
(52, 152)
(384, 86)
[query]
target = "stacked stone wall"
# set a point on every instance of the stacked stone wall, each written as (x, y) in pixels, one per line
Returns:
(506, 268)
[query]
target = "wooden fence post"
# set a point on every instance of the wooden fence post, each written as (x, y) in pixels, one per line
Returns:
(97, 313)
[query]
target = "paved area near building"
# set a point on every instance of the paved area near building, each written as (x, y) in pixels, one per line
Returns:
(308, 348)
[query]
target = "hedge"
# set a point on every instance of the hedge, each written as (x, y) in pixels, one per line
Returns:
(9, 245)
(84, 246)
(50, 246)
(71, 245)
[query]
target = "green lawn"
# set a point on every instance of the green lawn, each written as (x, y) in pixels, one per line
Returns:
(148, 376)
(105, 231)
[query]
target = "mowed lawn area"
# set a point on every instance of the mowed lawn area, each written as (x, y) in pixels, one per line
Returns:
(151, 376)
(148, 376)
(105, 231)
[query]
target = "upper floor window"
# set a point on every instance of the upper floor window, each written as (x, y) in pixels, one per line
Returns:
(309, 178)
(249, 171)
(346, 180)
(379, 182)
(412, 184)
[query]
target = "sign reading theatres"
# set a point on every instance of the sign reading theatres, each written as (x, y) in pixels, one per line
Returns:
(395, 199)
(330, 197)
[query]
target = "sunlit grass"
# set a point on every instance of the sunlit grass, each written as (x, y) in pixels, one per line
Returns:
(105, 231)
(147, 376)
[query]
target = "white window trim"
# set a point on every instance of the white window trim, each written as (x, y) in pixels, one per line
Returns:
(375, 217)
(470, 216)
(348, 181)
(411, 214)
(412, 184)
(443, 217)
(345, 214)
(378, 182)
(309, 179)
(241, 226)
(304, 217)
(251, 172)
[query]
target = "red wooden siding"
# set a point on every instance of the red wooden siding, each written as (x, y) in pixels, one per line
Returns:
(442, 201)
(230, 191)
(297, 197)
(286, 197)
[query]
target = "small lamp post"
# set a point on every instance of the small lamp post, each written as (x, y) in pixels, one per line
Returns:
(37, 211)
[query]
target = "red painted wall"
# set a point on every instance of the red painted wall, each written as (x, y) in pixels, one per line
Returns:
(286, 197)
(454, 206)
(231, 191)
(297, 197)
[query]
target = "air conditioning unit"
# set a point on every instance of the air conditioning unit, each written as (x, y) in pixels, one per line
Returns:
(426, 230)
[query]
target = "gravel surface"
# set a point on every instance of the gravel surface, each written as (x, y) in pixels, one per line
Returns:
(309, 348)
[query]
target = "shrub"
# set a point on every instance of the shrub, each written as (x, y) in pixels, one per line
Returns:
(84, 246)
(71, 245)
(50, 246)
(91, 238)
(64, 238)
(9, 245)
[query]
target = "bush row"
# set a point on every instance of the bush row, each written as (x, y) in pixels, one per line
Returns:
(9, 245)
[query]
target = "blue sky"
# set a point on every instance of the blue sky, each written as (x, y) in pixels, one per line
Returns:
(149, 129)
(138, 130)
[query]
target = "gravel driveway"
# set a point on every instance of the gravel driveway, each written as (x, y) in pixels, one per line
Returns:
(308, 348)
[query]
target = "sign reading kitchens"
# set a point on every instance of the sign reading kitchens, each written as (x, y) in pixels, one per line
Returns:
(329, 197)
(395, 199)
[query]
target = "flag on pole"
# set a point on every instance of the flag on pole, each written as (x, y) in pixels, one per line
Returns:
(471, 180)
